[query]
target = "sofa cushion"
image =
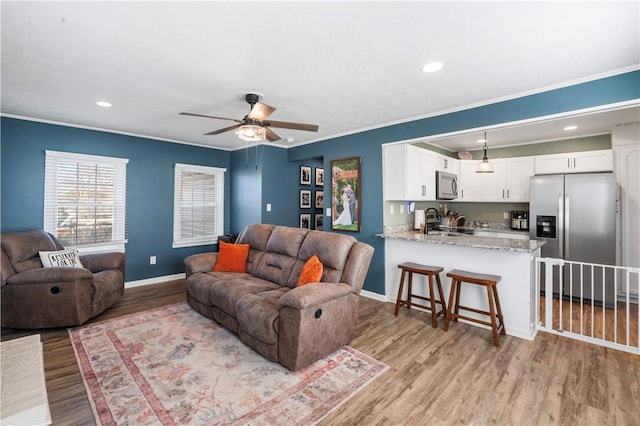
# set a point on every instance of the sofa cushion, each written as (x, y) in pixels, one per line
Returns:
(332, 250)
(258, 317)
(22, 248)
(232, 258)
(281, 254)
(256, 236)
(225, 293)
(311, 271)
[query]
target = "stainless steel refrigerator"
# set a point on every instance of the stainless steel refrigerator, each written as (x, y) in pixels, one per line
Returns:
(575, 214)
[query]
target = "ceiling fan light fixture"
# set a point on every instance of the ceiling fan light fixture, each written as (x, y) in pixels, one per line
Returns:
(485, 165)
(251, 133)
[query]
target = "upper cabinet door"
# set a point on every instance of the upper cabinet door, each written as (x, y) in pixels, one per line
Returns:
(519, 170)
(575, 162)
(592, 161)
(470, 188)
(494, 185)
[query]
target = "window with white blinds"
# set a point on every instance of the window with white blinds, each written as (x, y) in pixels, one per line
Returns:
(198, 208)
(85, 200)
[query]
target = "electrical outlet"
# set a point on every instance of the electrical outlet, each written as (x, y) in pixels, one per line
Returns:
(268, 207)
(152, 260)
(391, 209)
(401, 208)
(505, 215)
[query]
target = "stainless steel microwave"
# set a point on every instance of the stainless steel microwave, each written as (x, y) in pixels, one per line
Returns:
(446, 186)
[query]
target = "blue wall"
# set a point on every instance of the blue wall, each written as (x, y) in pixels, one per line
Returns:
(257, 176)
(368, 145)
(149, 186)
(261, 175)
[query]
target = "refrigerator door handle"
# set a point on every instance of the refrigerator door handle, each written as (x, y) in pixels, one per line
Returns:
(566, 226)
(560, 225)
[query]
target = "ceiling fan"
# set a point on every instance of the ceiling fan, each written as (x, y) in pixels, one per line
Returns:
(254, 126)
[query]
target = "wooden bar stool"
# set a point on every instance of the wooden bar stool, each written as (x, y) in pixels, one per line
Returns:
(490, 282)
(430, 271)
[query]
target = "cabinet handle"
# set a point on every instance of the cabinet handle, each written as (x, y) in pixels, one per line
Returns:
(424, 190)
(462, 193)
(574, 162)
(503, 193)
(508, 196)
(446, 164)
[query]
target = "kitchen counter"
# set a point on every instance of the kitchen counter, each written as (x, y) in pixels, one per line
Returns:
(511, 258)
(465, 240)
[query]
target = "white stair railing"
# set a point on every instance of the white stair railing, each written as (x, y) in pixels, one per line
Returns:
(590, 302)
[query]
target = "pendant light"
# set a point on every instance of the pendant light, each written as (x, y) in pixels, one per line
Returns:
(485, 165)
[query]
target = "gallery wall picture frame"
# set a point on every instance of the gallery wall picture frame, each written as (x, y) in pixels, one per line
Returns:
(319, 219)
(345, 194)
(319, 199)
(305, 175)
(305, 220)
(319, 176)
(305, 198)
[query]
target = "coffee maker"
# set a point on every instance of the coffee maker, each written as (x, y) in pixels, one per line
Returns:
(520, 220)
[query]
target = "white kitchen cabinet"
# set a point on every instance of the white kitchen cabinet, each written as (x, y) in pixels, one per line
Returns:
(446, 164)
(470, 186)
(519, 170)
(494, 185)
(509, 181)
(575, 162)
(409, 173)
(626, 143)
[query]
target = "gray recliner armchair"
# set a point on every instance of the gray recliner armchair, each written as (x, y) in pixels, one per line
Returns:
(37, 297)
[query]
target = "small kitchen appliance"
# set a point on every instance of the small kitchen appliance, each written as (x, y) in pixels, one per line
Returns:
(519, 220)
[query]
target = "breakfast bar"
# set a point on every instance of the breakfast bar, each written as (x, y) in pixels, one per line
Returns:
(510, 256)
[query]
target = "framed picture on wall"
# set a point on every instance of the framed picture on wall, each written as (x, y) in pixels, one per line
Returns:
(345, 194)
(319, 199)
(305, 175)
(305, 220)
(319, 176)
(305, 199)
(318, 220)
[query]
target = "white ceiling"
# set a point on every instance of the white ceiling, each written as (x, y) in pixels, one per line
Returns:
(346, 66)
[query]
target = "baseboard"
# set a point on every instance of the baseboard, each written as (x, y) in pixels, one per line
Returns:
(154, 280)
(375, 296)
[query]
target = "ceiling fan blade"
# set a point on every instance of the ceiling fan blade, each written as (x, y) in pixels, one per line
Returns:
(210, 116)
(294, 126)
(226, 129)
(260, 111)
(271, 135)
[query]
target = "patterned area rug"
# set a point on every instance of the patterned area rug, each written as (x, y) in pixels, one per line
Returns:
(172, 366)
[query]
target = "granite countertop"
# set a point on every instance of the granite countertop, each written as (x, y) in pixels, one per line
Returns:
(465, 240)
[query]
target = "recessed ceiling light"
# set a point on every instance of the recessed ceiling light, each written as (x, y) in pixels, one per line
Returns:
(103, 104)
(432, 67)
(569, 128)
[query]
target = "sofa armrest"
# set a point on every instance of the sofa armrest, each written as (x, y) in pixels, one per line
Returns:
(201, 262)
(99, 262)
(314, 294)
(50, 275)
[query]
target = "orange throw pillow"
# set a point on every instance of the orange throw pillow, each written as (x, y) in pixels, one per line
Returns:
(232, 258)
(311, 271)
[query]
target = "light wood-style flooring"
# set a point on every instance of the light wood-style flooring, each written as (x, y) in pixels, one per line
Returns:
(435, 377)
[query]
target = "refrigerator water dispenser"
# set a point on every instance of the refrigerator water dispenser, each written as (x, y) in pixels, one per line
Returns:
(546, 226)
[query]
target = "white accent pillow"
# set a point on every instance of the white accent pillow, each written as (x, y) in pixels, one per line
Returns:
(60, 258)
